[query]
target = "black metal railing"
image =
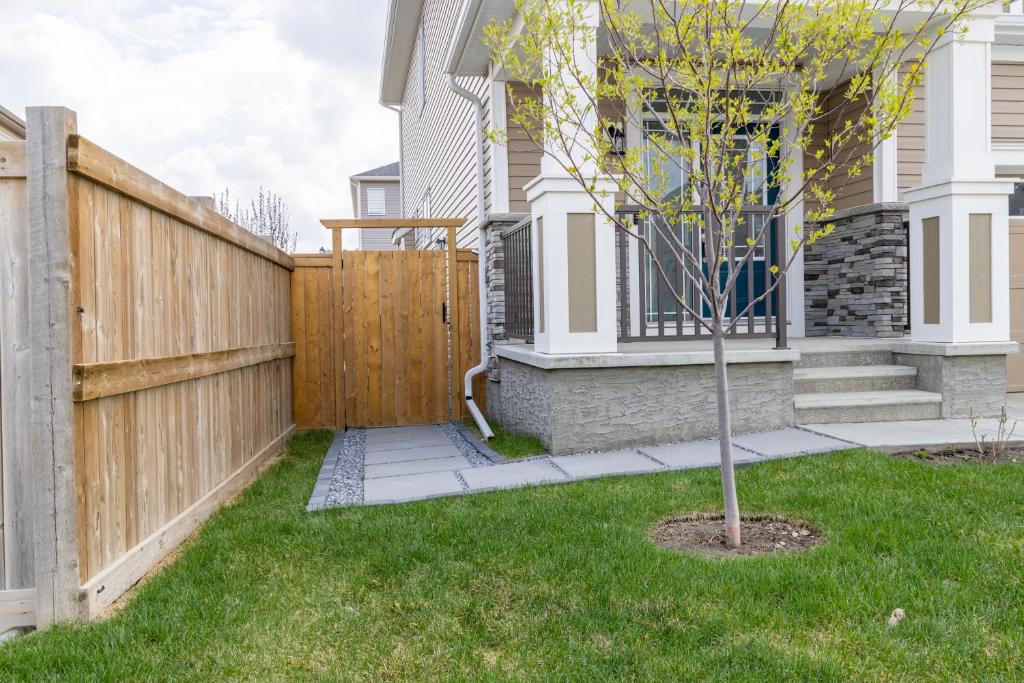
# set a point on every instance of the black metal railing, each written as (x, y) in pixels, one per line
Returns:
(648, 308)
(518, 281)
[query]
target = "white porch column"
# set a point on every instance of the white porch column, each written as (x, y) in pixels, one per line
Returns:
(795, 288)
(885, 166)
(959, 271)
(573, 248)
(499, 152)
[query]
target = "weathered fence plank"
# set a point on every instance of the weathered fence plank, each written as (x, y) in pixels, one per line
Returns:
(52, 224)
(16, 542)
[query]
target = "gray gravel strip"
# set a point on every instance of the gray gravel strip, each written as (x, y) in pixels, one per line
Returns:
(347, 480)
(468, 451)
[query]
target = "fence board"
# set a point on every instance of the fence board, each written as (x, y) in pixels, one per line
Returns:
(16, 543)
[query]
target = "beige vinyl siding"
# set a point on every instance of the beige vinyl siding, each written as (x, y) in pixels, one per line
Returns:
(1008, 101)
(523, 155)
(438, 142)
(849, 190)
(910, 145)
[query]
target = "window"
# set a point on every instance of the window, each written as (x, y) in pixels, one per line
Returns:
(375, 201)
(1017, 200)
(422, 68)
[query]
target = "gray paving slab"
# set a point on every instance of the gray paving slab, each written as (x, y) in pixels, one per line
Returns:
(412, 441)
(394, 469)
(913, 433)
(603, 464)
(792, 441)
(511, 474)
(408, 454)
(411, 487)
(378, 435)
(685, 455)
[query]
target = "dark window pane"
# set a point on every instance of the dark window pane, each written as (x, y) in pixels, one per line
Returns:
(1017, 200)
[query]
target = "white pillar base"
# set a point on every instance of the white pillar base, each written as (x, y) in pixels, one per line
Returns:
(553, 198)
(953, 202)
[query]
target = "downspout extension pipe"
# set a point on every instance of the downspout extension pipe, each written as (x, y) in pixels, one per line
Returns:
(478, 111)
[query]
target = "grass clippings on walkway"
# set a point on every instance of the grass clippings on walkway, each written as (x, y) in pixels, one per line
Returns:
(564, 583)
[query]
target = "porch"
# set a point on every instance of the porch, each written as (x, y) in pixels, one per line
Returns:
(652, 392)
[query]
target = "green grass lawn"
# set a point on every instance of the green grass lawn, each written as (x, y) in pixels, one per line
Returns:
(510, 444)
(561, 583)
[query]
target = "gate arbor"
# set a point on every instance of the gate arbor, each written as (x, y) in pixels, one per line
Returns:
(384, 338)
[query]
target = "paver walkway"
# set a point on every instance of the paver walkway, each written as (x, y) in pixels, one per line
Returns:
(413, 463)
(400, 464)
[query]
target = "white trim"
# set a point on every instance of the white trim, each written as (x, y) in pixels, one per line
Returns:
(1007, 53)
(499, 152)
(1009, 156)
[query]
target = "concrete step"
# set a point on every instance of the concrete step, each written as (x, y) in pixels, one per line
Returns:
(833, 359)
(867, 406)
(849, 378)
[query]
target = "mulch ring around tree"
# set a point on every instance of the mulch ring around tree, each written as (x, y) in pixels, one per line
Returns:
(759, 534)
(954, 455)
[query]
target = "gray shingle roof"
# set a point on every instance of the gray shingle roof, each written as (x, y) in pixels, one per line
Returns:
(391, 169)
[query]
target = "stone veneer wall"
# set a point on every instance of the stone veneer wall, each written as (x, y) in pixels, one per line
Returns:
(494, 263)
(856, 278)
(580, 409)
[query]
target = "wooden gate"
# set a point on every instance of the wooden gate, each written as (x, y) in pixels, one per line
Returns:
(375, 333)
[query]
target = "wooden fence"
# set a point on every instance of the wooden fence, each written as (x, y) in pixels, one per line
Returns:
(17, 566)
(160, 343)
(388, 317)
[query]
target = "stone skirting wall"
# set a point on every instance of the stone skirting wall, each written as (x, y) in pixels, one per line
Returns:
(856, 278)
(581, 409)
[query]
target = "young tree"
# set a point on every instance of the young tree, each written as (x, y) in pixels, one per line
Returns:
(267, 216)
(730, 93)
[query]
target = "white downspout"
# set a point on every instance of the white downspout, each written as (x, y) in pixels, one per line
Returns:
(401, 164)
(478, 110)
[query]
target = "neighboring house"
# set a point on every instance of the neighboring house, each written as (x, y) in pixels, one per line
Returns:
(897, 273)
(377, 193)
(11, 126)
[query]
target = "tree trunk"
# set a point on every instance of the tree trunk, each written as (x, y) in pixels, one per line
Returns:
(732, 508)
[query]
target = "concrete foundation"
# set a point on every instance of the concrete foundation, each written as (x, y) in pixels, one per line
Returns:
(971, 380)
(573, 409)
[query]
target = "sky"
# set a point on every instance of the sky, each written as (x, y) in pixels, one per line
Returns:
(214, 94)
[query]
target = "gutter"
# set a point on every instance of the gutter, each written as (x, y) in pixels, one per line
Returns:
(396, 238)
(478, 111)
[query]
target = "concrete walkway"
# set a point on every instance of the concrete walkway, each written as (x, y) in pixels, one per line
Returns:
(414, 463)
(400, 464)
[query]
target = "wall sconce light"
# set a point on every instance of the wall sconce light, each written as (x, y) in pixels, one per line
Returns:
(618, 140)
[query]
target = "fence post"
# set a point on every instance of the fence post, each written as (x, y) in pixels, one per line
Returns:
(340, 392)
(455, 325)
(51, 230)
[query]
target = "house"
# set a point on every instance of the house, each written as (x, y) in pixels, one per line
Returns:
(11, 126)
(377, 194)
(909, 310)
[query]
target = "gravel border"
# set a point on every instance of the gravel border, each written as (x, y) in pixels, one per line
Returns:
(346, 485)
(481, 446)
(468, 450)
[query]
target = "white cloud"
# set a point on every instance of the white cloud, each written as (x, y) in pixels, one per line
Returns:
(217, 93)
